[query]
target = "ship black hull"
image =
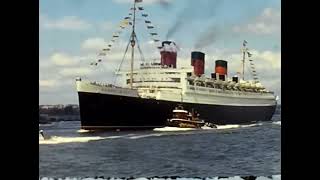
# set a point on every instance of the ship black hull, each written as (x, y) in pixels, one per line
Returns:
(102, 111)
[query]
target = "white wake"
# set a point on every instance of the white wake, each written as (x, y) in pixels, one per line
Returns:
(166, 129)
(232, 126)
(228, 126)
(83, 131)
(277, 122)
(60, 140)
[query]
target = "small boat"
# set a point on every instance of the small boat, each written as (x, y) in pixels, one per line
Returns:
(184, 119)
(41, 135)
(209, 125)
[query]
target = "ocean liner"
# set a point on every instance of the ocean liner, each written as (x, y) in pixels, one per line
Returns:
(148, 93)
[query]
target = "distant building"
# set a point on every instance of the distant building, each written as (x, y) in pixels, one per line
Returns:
(59, 112)
(60, 106)
(74, 106)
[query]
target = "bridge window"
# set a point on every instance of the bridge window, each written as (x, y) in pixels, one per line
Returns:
(176, 79)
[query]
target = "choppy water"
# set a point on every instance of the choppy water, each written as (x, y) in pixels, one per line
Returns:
(231, 150)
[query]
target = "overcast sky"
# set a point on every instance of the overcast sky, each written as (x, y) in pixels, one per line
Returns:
(73, 32)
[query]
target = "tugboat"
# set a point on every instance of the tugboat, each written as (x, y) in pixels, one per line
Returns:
(184, 119)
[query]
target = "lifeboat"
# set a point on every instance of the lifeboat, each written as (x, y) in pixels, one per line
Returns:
(231, 85)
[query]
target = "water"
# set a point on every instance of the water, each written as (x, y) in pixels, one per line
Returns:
(230, 150)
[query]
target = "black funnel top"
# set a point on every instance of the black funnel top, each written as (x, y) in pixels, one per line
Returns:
(167, 42)
(197, 55)
(221, 63)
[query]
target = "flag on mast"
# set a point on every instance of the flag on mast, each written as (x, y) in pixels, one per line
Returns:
(137, 1)
(245, 43)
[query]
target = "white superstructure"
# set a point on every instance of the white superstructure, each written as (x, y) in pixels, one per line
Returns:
(154, 81)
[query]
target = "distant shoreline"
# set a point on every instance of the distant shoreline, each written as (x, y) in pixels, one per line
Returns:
(54, 122)
(58, 113)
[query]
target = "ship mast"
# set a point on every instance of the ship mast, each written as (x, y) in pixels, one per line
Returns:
(244, 50)
(133, 35)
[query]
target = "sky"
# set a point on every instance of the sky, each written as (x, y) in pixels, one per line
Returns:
(73, 32)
